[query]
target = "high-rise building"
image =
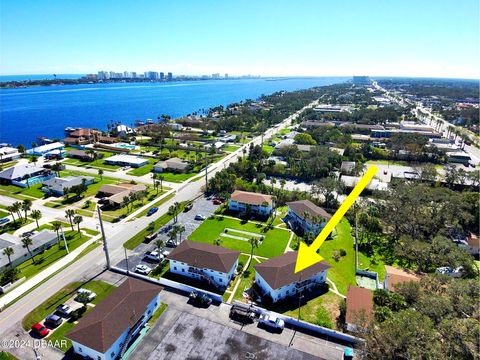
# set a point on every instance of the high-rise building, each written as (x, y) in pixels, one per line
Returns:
(112, 75)
(169, 76)
(134, 74)
(126, 74)
(103, 75)
(152, 75)
(162, 76)
(226, 76)
(216, 76)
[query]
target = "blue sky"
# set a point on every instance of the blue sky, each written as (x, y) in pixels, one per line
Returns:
(392, 38)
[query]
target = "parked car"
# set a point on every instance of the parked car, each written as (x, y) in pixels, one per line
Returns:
(64, 310)
(271, 322)
(200, 217)
(40, 330)
(217, 202)
(153, 256)
(90, 294)
(150, 237)
(165, 252)
(171, 243)
(152, 211)
(188, 207)
(200, 298)
(242, 313)
(4, 221)
(449, 271)
(166, 229)
(143, 269)
(53, 321)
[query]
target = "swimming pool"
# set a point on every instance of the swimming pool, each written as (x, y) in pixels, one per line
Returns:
(125, 146)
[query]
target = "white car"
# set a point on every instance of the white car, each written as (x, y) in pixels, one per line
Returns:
(143, 269)
(154, 256)
(200, 217)
(271, 321)
(448, 271)
(90, 294)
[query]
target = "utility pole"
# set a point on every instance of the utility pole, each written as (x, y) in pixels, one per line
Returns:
(126, 258)
(356, 238)
(105, 246)
(64, 240)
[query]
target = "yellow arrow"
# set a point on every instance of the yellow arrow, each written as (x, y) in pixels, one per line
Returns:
(307, 255)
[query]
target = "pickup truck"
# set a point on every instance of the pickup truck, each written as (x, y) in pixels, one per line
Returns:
(200, 298)
(271, 322)
(242, 314)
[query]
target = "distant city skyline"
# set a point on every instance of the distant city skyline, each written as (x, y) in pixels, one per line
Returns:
(269, 38)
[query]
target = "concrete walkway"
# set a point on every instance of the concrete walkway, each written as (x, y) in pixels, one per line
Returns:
(334, 289)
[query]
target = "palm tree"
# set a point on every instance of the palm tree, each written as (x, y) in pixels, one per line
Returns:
(36, 215)
(11, 210)
(77, 220)
(160, 178)
(56, 168)
(100, 173)
(254, 244)
(159, 243)
(8, 252)
(26, 206)
(57, 225)
(69, 214)
(27, 242)
(17, 207)
(181, 230)
(154, 177)
(176, 206)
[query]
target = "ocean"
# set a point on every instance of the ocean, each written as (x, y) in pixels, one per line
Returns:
(27, 113)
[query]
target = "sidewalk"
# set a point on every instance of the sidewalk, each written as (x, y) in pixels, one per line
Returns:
(43, 275)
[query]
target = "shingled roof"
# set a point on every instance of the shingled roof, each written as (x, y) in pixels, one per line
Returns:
(280, 270)
(201, 255)
(306, 206)
(251, 198)
(121, 309)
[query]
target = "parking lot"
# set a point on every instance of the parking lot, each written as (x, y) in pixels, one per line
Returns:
(202, 206)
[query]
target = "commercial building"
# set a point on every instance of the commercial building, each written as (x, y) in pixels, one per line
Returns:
(307, 217)
(24, 175)
(106, 332)
(56, 186)
(8, 154)
(244, 201)
(40, 241)
(169, 76)
(174, 164)
(459, 157)
(359, 308)
(213, 264)
(126, 160)
(277, 279)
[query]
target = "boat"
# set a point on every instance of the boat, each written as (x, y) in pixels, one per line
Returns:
(150, 121)
(69, 129)
(139, 123)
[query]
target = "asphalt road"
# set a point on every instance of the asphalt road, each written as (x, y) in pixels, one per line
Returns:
(94, 263)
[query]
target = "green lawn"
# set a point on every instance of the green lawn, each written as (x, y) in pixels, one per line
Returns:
(274, 243)
(140, 236)
(342, 272)
(156, 204)
(7, 356)
(268, 149)
(246, 280)
(171, 177)
(145, 169)
(322, 310)
(161, 309)
(3, 214)
(231, 148)
(96, 164)
(102, 289)
(13, 226)
(33, 192)
(48, 257)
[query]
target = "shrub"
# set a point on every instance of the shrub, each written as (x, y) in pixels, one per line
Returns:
(323, 318)
(336, 255)
(343, 252)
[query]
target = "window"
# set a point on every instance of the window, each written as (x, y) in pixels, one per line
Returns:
(175, 268)
(79, 349)
(112, 354)
(183, 270)
(220, 279)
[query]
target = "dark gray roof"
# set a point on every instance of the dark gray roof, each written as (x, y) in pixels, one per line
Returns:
(280, 270)
(306, 206)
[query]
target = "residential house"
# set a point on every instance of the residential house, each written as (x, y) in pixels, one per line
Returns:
(114, 194)
(8, 154)
(82, 136)
(41, 241)
(395, 276)
(45, 149)
(277, 279)
(307, 217)
(56, 186)
(359, 308)
(108, 139)
(126, 160)
(348, 167)
(24, 175)
(175, 165)
(83, 155)
(213, 264)
(106, 332)
(243, 201)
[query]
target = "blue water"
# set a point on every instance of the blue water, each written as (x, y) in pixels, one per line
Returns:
(27, 113)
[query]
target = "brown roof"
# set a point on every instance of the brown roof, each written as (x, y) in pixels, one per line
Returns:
(396, 276)
(251, 198)
(108, 139)
(280, 270)
(201, 255)
(306, 206)
(83, 132)
(75, 152)
(359, 303)
(473, 241)
(121, 309)
(111, 189)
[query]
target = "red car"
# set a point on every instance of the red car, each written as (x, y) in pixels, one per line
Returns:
(40, 330)
(217, 202)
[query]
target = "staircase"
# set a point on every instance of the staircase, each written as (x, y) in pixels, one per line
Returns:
(204, 276)
(124, 345)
